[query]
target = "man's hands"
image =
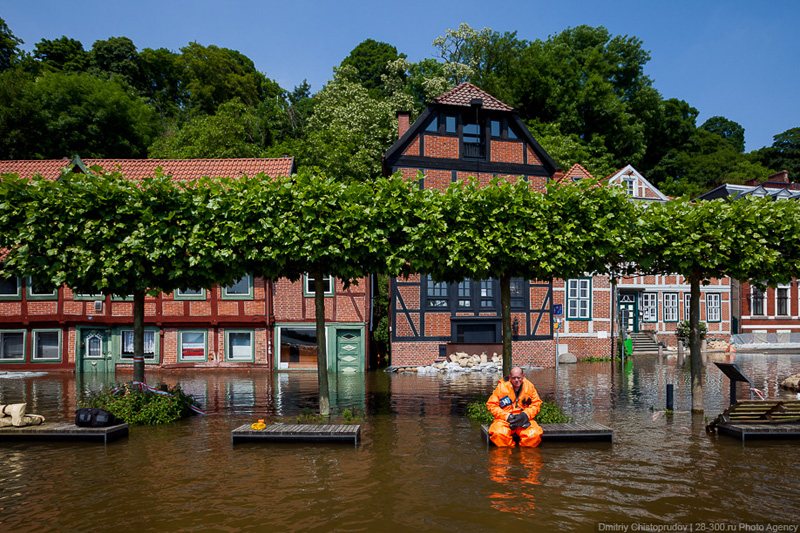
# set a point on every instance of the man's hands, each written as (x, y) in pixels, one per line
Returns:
(520, 420)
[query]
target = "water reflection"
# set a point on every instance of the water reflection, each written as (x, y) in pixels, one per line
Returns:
(421, 464)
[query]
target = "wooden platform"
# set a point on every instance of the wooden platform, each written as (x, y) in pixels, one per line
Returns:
(760, 431)
(60, 431)
(298, 433)
(569, 432)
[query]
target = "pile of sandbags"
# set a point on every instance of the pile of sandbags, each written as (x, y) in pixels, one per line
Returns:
(13, 414)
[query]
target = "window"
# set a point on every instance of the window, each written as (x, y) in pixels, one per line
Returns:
(650, 307)
(511, 134)
(433, 125)
(241, 290)
(239, 346)
(38, 290)
(713, 313)
(298, 347)
(190, 294)
(630, 186)
(756, 301)
(487, 294)
(88, 296)
(472, 141)
(518, 293)
(46, 345)
(12, 346)
(436, 293)
(126, 350)
(310, 285)
(687, 304)
(494, 126)
(192, 346)
(579, 299)
(782, 301)
(450, 124)
(670, 311)
(477, 332)
(9, 288)
(465, 294)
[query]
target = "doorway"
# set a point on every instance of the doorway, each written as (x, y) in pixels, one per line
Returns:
(94, 351)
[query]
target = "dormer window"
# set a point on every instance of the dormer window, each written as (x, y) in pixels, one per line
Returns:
(450, 124)
(494, 126)
(473, 141)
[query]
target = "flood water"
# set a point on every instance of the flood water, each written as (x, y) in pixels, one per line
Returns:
(421, 464)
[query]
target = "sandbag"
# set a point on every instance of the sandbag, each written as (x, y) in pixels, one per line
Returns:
(90, 417)
(14, 410)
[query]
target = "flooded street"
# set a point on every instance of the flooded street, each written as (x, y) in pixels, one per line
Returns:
(421, 464)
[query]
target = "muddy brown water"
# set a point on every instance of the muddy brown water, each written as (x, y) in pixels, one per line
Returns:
(421, 464)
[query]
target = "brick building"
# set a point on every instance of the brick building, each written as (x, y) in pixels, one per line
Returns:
(467, 132)
(252, 323)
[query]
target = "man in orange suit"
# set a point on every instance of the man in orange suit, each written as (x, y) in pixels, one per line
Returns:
(514, 404)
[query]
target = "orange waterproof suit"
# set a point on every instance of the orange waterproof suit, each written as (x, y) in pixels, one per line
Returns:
(504, 402)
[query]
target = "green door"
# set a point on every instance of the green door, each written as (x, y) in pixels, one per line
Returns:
(348, 350)
(94, 351)
(629, 312)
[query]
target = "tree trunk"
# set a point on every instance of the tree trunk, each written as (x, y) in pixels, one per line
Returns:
(505, 304)
(322, 349)
(695, 345)
(138, 335)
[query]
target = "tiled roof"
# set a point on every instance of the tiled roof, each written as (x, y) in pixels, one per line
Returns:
(463, 95)
(576, 171)
(137, 169)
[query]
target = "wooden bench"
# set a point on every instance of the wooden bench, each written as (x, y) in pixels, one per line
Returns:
(572, 432)
(298, 433)
(61, 431)
(759, 418)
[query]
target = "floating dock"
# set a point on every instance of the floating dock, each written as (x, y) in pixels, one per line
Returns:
(64, 432)
(298, 433)
(759, 419)
(760, 431)
(569, 432)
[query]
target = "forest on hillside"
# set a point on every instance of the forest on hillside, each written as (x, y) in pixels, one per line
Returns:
(582, 92)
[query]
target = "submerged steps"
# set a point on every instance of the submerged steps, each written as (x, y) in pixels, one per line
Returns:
(590, 431)
(298, 433)
(62, 431)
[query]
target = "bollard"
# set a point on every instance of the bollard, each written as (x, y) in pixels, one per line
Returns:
(669, 397)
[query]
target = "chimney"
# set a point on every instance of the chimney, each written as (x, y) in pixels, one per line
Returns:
(779, 177)
(403, 122)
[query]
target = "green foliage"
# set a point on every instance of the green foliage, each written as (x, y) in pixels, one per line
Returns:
(9, 46)
(370, 58)
(684, 328)
(550, 413)
(62, 54)
(784, 154)
(307, 416)
(352, 416)
(594, 359)
(136, 407)
(729, 130)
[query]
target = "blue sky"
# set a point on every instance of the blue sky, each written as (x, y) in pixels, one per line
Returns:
(732, 58)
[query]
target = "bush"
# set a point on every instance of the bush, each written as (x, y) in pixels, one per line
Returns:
(684, 329)
(550, 413)
(141, 407)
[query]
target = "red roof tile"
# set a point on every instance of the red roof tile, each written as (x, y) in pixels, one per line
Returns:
(575, 171)
(463, 95)
(137, 169)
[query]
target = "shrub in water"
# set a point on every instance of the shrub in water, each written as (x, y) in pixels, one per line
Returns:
(141, 407)
(550, 413)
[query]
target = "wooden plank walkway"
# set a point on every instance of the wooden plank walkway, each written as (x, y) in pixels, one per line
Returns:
(590, 431)
(61, 431)
(298, 433)
(746, 431)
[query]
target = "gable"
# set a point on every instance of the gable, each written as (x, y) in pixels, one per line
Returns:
(637, 186)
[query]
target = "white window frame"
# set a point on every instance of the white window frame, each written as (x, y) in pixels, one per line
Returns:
(579, 299)
(239, 296)
(669, 306)
(649, 307)
(193, 358)
(687, 305)
(327, 279)
(754, 291)
(713, 308)
(251, 357)
(21, 358)
(787, 300)
(35, 346)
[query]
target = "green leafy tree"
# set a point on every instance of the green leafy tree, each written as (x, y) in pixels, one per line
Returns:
(370, 58)
(750, 238)
(101, 233)
(731, 131)
(784, 154)
(62, 54)
(61, 114)
(160, 81)
(9, 46)
(117, 56)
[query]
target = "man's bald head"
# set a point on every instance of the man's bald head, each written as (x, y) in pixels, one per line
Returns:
(517, 372)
